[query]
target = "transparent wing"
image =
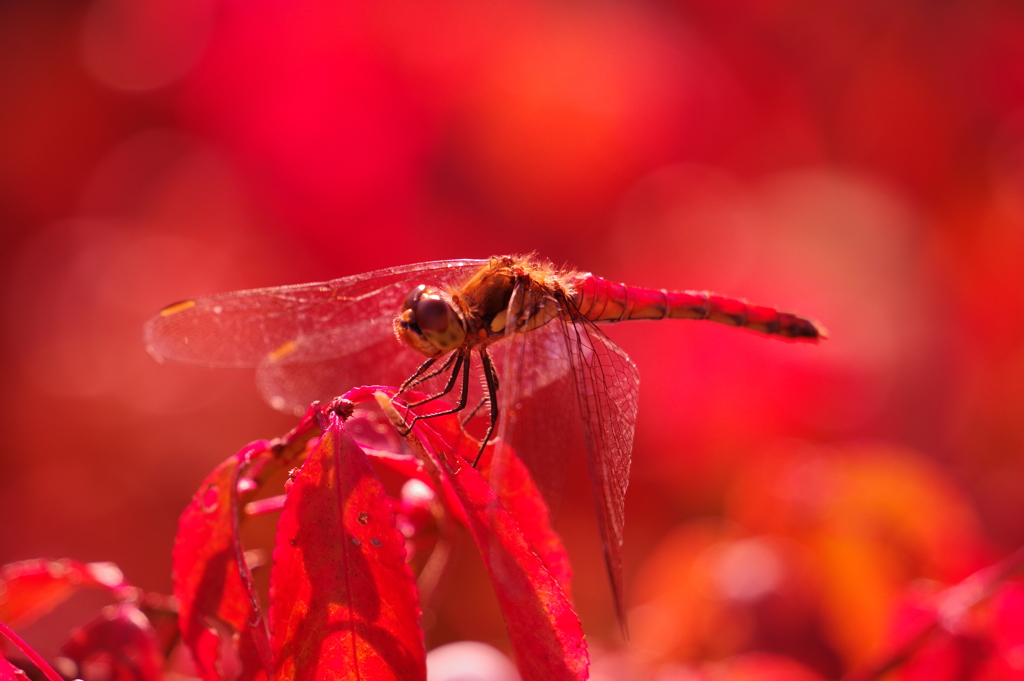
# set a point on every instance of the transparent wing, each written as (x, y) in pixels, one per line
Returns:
(378, 359)
(606, 387)
(309, 341)
(555, 378)
(537, 408)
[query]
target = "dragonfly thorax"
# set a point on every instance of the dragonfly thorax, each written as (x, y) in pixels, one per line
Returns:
(428, 322)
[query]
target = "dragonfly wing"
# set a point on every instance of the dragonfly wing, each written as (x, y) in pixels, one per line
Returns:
(606, 387)
(561, 375)
(293, 383)
(537, 406)
(309, 341)
(243, 328)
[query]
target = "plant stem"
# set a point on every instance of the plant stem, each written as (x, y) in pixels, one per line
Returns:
(30, 653)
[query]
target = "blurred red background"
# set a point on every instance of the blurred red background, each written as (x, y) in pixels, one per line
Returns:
(860, 163)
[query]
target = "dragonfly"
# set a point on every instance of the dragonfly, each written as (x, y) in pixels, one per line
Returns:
(545, 368)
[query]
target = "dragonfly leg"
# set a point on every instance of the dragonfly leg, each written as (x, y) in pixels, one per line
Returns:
(473, 412)
(420, 377)
(491, 376)
(459, 359)
(463, 361)
(415, 378)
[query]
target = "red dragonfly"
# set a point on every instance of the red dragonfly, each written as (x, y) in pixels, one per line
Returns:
(532, 326)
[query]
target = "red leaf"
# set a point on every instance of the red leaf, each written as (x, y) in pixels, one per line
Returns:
(119, 645)
(378, 439)
(343, 600)
(211, 581)
(545, 633)
(1008, 623)
(513, 483)
(518, 493)
(8, 672)
(31, 588)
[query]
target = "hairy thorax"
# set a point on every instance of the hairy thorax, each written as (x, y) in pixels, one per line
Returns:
(507, 287)
(507, 290)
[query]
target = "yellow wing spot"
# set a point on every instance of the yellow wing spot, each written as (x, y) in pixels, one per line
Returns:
(177, 307)
(283, 351)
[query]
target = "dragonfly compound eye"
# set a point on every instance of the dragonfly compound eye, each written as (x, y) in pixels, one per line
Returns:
(438, 322)
(432, 315)
(413, 298)
(428, 324)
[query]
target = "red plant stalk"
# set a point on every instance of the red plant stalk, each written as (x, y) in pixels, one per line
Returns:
(31, 654)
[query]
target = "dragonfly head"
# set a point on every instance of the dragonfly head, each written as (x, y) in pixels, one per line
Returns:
(428, 323)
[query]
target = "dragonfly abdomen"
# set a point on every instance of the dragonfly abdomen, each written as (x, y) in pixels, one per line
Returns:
(600, 300)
